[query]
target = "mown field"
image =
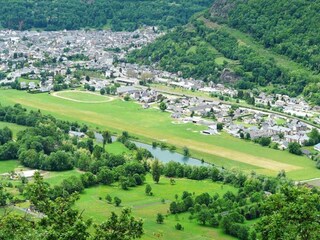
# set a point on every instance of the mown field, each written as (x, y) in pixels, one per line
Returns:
(151, 124)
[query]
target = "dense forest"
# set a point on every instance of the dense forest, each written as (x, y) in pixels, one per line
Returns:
(76, 14)
(183, 51)
(291, 28)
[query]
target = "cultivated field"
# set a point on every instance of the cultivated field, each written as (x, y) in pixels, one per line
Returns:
(151, 124)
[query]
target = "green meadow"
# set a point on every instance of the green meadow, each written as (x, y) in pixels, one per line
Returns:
(27, 81)
(152, 124)
(116, 148)
(93, 202)
(8, 166)
(56, 178)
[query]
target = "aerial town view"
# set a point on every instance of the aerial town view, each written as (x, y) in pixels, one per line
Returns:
(159, 119)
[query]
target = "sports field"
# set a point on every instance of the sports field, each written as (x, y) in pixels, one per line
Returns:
(151, 124)
(82, 97)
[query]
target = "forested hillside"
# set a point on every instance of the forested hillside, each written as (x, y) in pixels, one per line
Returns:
(291, 27)
(118, 15)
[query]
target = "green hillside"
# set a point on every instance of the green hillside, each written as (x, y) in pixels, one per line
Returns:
(291, 28)
(197, 49)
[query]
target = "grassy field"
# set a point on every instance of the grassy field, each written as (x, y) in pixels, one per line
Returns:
(93, 204)
(27, 81)
(147, 207)
(55, 178)
(116, 148)
(151, 124)
(221, 60)
(8, 165)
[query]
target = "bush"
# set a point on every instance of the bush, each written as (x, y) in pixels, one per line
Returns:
(117, 201)
(295, 148)
(318, 164)
(179, 227)
(160, 218)
(109, 198)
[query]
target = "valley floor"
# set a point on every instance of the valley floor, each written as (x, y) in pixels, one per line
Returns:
(151, 124)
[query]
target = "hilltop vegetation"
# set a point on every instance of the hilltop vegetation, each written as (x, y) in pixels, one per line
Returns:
(181, 50)
(117, 15)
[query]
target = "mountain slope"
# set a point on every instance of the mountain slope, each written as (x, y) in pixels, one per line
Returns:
(291, 28)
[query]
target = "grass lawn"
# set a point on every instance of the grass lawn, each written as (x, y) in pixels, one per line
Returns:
(147, 207)
(14, 127)
(21, 79)
(8, 165)
(116, 148)
(55, 178)
(151, 124)
(280, 121)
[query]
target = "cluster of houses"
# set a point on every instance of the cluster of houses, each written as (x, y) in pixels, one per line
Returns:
(293, 106)
(249, 122)
(30, 53)
(144, 96)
